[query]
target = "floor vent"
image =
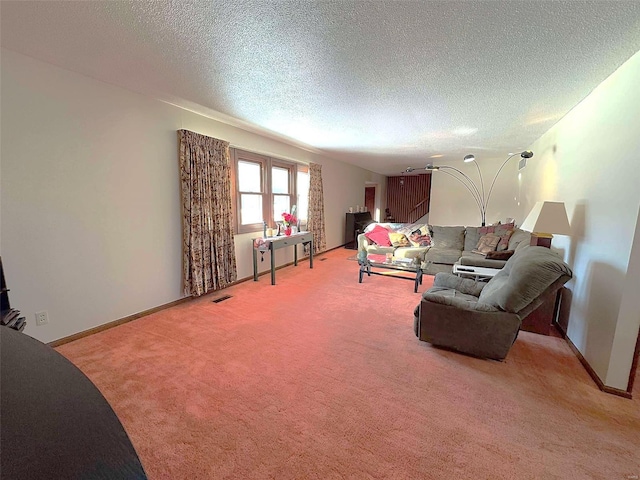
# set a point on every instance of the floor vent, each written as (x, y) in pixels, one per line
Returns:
(221, 299)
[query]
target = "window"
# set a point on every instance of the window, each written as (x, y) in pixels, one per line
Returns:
(265, 188)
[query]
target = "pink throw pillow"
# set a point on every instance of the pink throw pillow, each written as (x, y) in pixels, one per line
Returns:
(379, 235)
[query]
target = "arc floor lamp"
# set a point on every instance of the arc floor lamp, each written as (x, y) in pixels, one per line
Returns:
(477, 192)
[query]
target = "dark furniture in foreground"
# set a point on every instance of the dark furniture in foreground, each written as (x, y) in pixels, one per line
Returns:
(9, 317)
(483, 319)
(55, 422)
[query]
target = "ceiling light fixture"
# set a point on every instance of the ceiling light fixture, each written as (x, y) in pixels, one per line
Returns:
(478, 194)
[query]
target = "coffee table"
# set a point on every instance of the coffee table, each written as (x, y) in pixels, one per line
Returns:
(372, 267)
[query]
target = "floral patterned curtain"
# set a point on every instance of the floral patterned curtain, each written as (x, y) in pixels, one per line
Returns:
(316, 208)
(208, 251)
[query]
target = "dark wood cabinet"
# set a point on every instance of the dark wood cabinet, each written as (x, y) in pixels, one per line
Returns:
(355, 224)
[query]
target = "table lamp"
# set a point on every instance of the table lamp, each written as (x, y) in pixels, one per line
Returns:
(545, 219)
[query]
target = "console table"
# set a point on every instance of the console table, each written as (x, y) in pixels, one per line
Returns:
(270, 244)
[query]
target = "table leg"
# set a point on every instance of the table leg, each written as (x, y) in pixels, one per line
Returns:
(273, 264)
(295, 255)
(255, 265)
(418, 280)
(311, 254)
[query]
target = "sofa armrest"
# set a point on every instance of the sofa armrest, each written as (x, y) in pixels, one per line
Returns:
(479, 333)
(463, 285)
(363, 243)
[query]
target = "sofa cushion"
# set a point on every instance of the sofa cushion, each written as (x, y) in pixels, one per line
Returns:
(410, 252)
(525, 276)
(449, 238)
(451, 293)
(380, 250)
(517, 238)
(443, 255)
(471, 237)
(379, 235)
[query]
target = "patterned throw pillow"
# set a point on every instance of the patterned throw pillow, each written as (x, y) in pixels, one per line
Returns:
(399, 239)
(486, 244)
(486, 230)
(379, 235)
(504, 227)
(420, 237)
(499, 229)
(503, 244)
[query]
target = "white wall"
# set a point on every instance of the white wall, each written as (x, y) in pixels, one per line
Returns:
(590, 161)
(90, 203)
(452, 204)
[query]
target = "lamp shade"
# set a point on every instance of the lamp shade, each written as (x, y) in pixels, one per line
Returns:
(547, 217)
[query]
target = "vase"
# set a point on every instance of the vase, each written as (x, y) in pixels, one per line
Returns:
(287, 230)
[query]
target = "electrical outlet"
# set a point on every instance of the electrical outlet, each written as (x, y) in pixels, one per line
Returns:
(42, 318)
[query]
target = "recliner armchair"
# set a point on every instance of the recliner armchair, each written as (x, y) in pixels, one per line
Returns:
(483, 319)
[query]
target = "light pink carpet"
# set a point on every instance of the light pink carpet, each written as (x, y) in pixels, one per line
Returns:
(322, 377)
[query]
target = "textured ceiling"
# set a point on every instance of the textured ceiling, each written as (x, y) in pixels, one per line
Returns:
(381, 84)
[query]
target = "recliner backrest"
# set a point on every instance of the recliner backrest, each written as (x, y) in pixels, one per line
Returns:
(525, 276)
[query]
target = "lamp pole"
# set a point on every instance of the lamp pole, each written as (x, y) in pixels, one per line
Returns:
(469, 185)
(478, 194)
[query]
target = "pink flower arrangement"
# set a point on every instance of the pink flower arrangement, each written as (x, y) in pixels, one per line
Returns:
(289, 219)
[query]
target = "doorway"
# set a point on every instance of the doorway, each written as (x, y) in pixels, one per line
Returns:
(370, 199)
